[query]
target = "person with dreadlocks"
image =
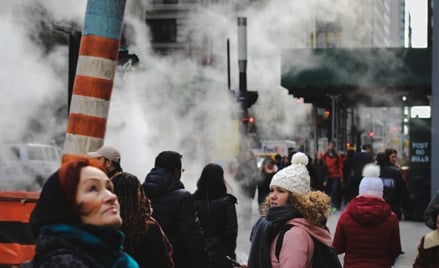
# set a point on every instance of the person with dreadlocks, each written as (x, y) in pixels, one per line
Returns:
(144, 240)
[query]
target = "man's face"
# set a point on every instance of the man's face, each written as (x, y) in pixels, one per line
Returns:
(331, 146)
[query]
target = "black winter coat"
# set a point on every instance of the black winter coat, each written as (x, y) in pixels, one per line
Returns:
(395, 189)
(220, 226)
(174, 209)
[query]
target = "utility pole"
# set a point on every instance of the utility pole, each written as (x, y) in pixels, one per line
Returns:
(242, 62)
(95, 71)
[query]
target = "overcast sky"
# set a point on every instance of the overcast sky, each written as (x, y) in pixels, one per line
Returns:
(418, 12)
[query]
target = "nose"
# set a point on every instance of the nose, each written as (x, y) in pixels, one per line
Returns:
(110, 196)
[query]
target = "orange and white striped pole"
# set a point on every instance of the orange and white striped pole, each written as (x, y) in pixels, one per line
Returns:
(94, 78)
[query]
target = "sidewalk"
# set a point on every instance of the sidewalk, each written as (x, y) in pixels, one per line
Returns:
(411, 233)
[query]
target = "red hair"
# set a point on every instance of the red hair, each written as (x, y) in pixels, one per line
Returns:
(69, 174)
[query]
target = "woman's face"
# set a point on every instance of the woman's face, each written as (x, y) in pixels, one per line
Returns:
(97, 203)
(278, 196)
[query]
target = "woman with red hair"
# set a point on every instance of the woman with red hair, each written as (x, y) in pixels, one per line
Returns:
(76, 219)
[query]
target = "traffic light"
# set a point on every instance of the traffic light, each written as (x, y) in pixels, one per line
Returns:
(251, 98)
(250, 123)
(371, 134)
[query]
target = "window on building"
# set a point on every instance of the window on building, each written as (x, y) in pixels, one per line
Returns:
(163, 30)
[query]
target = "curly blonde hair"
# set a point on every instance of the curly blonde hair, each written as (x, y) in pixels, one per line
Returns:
(314, 206)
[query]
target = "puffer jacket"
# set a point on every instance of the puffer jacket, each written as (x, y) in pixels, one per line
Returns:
(368, 233)
(174, 209)
(220, 227)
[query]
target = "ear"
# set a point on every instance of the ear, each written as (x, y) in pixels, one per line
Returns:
(108, 163)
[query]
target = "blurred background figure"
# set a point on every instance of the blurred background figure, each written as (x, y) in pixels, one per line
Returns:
(334, 163)
(395, 188)
(360, 159)
(144, 239)
(268, 169)
(321, 175)
(217, 214)
(247, 178)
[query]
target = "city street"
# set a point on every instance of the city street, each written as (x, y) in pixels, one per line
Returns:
(411, 233)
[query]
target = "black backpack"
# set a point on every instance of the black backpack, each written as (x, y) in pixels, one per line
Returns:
(323, 257)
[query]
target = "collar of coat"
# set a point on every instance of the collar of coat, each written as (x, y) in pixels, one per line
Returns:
(431, 239)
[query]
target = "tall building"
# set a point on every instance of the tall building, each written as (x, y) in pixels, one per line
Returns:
(370, 23)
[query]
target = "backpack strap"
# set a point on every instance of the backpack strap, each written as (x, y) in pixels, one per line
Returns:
(280, 239)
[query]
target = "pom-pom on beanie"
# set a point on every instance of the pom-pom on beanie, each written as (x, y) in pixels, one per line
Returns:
(295, 177)
(371, 184)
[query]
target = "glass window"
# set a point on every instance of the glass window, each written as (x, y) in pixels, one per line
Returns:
(35, 153)
(163, 30)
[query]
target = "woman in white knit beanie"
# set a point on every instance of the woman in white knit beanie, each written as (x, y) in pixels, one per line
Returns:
(368, 227)
(290, 203)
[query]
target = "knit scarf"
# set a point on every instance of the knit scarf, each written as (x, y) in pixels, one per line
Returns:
(264, 232)
(104, 243)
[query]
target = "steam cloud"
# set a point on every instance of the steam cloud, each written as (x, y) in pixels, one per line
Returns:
(167, 102)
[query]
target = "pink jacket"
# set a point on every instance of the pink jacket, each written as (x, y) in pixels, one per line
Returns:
(298, 246)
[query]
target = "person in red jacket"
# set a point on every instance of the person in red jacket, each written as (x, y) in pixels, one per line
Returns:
(367, 230)
(334, 163)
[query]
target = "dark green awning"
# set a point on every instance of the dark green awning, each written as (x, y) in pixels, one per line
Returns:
(360, 72)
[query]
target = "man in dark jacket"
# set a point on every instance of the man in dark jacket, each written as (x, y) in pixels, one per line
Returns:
(359, 161)
(174, 209)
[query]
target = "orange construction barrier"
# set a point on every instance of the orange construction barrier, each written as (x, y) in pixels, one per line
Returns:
(16, 238)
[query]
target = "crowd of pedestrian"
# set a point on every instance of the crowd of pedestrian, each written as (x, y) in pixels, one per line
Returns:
(91, 213)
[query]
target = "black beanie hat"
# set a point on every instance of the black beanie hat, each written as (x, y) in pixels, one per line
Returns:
(52, 207)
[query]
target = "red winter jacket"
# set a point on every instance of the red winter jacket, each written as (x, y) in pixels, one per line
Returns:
(368, 233)
(334, 163)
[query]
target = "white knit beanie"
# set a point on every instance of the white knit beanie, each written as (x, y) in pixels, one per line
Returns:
(371, 184)
(295, 177)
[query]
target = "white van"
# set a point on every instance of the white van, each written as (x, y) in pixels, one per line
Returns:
(26, 166)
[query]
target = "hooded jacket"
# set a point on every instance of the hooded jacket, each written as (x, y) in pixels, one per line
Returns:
(174, 209)
(368, 233)
(298, 246)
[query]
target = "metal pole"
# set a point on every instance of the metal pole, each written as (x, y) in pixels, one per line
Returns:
(228, 64)
(333, 135)
(435, 103)
(95, 72)
(242, 62)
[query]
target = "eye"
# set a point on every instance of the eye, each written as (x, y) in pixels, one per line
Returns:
(271, 190)
(93, 188)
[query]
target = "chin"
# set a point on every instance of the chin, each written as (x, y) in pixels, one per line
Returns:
(115, 222)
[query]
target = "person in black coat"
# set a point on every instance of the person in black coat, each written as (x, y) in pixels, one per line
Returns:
(358, 162)
(217, 213)
(268, 169)
(395, 188)
(175, 211)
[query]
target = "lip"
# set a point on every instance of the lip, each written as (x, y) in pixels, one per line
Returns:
(112, 209)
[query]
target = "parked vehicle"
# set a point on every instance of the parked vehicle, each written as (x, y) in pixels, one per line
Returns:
(26, 166)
